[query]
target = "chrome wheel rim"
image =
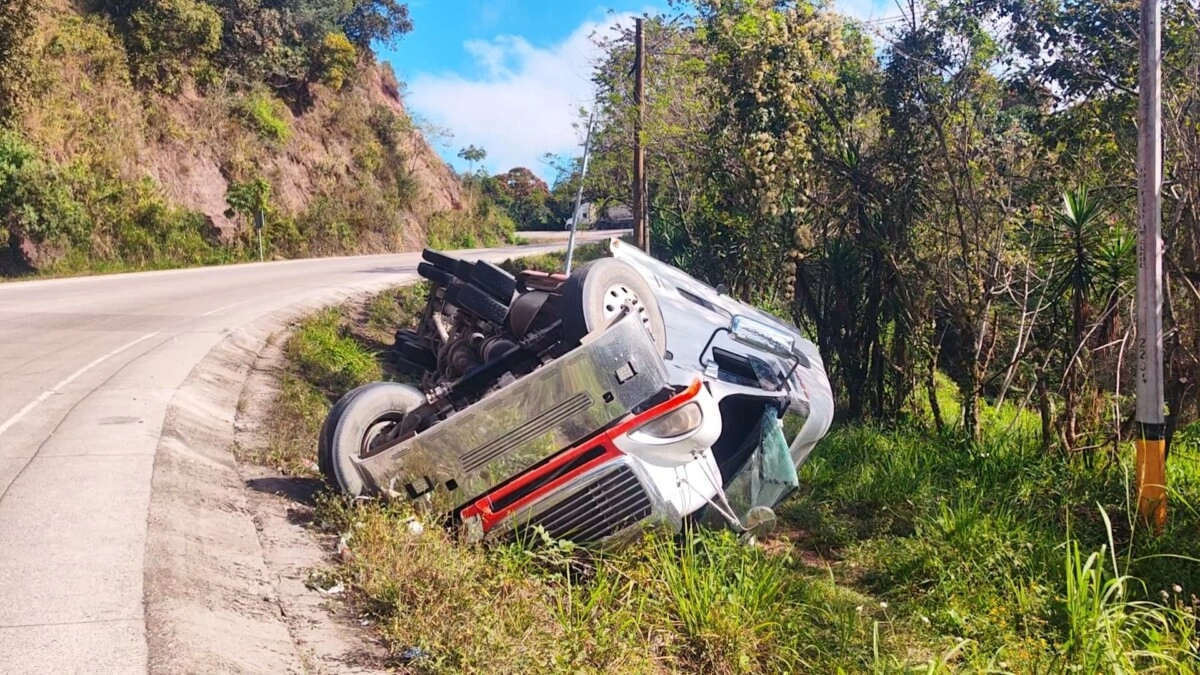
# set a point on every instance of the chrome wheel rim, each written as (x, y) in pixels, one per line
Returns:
(617, 297)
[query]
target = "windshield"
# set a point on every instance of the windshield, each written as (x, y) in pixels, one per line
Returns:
(769, 476)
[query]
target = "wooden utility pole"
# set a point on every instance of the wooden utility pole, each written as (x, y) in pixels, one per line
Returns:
(641, 234)
(1150, 473)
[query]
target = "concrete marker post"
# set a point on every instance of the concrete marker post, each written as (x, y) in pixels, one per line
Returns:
(1150, 472)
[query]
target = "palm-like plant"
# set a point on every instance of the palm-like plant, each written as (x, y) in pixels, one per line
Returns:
(1090, 261)
(1117, 260)
(1074, 251)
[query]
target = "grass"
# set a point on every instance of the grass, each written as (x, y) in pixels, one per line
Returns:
(266, 115)
(1034, 560)
(554, 261)
(329, 353)
(904, 551)
(936, 583)
(391, 310)
(705, 603)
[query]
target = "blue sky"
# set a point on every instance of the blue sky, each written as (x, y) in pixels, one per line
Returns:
(510, 75)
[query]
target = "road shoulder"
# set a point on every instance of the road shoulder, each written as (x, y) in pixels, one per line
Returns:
(225, 558)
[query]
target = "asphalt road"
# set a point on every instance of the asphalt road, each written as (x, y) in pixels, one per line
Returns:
(88, 367)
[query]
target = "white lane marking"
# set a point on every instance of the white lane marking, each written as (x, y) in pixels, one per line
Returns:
(8, 423)
(222, 309)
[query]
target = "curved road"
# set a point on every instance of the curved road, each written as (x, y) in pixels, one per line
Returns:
(88, 367)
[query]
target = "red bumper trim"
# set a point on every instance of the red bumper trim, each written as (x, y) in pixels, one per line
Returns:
(484, 507)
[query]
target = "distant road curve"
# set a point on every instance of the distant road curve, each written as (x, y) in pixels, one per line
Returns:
(88, 367)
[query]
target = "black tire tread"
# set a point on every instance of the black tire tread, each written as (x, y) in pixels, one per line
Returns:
(440, 260)
(463, 270)
(434, 274)
(323, 440)
(480, 303)
(491, 278)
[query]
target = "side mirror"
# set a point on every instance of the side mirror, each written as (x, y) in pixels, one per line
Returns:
(760, 520)
(722, 290)
(762, 336)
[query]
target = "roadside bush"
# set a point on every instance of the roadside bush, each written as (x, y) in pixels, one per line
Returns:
(154, 234)
(247, 198)
(335, 60)
(73, 218)
(265, 115)
(389, 128)
(36, 202)
(484, 225)
(330, 226)
(169, 40)
(16, 28)
(89, 43)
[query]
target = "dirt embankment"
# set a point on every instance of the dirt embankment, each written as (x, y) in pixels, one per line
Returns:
(113, 169)
(196, 168)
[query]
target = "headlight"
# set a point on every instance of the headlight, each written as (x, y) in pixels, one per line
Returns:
(682, 420)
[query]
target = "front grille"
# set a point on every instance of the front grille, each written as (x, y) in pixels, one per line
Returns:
(540, 424)
(610, 503)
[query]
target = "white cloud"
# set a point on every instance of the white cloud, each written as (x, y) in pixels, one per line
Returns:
(524, 105)
(526, 101)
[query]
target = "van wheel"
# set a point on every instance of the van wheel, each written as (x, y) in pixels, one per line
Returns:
(364, 420)
(596, 293)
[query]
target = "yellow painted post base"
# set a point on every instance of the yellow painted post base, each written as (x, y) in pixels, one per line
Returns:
(1150, 474)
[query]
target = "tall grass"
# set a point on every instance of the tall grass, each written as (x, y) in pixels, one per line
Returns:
(1036, 561)
(704, 603)
(1108, 630)
(328, 357)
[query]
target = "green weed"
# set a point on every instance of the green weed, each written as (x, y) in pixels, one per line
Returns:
(555, 261)
(328, 358)
(291, 433)
(265, 115)
(393, 309)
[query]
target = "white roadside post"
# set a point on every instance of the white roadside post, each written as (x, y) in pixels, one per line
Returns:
(1150, 472)
(587, 143)
(260, 220)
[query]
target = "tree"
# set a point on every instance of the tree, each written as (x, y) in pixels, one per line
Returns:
(335, 60)
(288, 45)
(521, 183)
(373, 21)
(247, 199)
(567, 174)
(472, 155)
(675, 135)
(891, 197)
(524, 196)
(171, 39)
